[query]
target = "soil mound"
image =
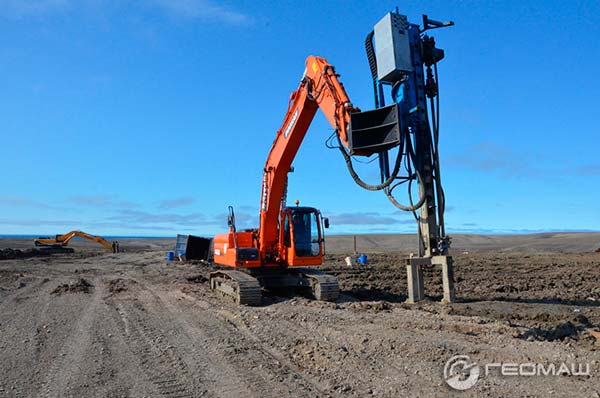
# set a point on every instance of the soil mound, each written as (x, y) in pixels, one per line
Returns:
(80, 286)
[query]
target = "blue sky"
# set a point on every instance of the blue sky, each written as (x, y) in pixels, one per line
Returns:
(149, 117)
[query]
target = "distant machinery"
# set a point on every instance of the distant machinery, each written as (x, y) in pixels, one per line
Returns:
(60, 241)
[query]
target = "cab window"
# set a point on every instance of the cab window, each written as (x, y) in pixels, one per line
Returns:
(286, 231)
(307, 238)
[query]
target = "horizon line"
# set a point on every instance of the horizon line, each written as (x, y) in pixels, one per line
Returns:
(490, 233)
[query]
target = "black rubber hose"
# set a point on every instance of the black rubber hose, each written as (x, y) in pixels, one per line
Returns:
(371, 55)
(372, 65)
(412, 207)
(388, 192)
(363, 184)
(438, 177)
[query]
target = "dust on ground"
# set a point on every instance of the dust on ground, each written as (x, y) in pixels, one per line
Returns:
(141, 327)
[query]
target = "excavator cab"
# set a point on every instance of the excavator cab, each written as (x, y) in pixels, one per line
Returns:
(302, 236)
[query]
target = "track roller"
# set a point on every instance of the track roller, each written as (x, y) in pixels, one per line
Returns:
(324, 287)
(242, 288)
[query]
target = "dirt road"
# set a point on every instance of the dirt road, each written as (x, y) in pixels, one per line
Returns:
(131, 325)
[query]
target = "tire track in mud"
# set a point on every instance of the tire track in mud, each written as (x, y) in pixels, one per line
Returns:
(250, 369)
(160, 361)
(289, 333)
(329, 340)
(330, 344)
(231, 326)
(217, 359)
(146, 337)
(154, 337)
(69, 360)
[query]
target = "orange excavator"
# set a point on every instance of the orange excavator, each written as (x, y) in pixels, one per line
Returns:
(289, 242)
(288, 237)
(60, 241)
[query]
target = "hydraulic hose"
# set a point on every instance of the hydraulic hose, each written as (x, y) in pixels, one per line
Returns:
(388, 192)
(371, 55)
(372, 65)
(359, 181)
(412, 207)
(435, 121)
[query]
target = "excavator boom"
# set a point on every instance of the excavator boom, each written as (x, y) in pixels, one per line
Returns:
(319, 88)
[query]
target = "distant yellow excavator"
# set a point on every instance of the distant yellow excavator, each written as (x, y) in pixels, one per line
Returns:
(60, 241)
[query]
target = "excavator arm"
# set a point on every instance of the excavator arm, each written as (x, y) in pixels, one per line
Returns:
(319, 88)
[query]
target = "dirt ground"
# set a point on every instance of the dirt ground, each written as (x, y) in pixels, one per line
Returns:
(91, 324)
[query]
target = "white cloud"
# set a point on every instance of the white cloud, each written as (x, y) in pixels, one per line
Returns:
(208, 10)
(176, 202)
(21, 201)
(36, 222)
(101, 201)
(202, 9)
(139, 217)
(368, 218)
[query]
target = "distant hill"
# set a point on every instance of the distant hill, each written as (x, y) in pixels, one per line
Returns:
(541, 242)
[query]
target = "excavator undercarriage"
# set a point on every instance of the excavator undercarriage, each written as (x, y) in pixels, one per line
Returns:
(245, 288)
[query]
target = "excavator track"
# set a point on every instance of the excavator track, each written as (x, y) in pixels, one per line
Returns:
(55, 249)
(324, 287)
(242, 288)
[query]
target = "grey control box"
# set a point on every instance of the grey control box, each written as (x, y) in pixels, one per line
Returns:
(392, 48)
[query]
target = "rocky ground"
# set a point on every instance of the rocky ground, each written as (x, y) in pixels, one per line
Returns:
(91, 324)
